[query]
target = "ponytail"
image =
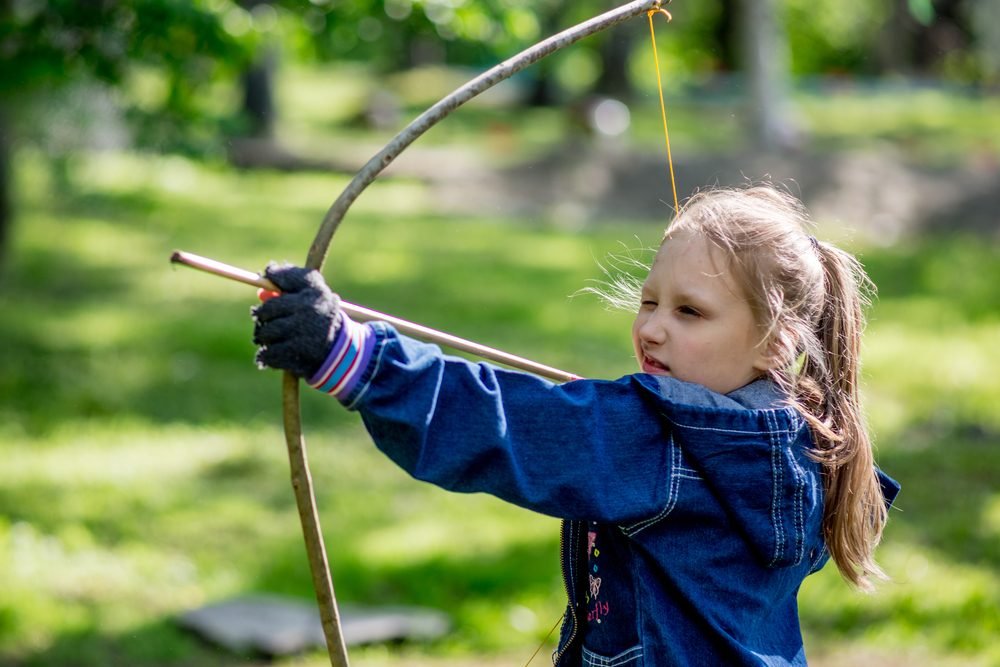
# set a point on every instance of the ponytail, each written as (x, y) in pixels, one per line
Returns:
(827, 395)
(810, 299)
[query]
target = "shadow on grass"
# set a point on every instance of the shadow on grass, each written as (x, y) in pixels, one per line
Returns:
(948, 475)
(945, 547)
(958, 276)
(445, 582)
(83, 335)
(159, 643)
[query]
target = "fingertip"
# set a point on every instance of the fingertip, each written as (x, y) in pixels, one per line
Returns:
(266, 295)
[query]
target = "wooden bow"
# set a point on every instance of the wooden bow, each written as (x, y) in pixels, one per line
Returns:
(301, 477)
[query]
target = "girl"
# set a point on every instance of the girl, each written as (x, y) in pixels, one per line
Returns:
(698, 493)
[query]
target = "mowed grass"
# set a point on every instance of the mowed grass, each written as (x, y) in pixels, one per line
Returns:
(144, 473)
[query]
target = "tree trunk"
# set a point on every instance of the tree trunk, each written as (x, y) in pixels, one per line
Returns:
(259, 110)
(614, 80)
(766, 68)
(944, 34)
(725, 35)
(544, 90)
(258, 96)
(6, 206)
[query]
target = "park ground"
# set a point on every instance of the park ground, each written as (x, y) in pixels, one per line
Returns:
(144, 471)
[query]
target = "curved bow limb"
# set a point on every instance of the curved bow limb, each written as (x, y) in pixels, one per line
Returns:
(428, 119)
(301, 477)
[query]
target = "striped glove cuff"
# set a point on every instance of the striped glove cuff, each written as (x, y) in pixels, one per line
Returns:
(352, 350)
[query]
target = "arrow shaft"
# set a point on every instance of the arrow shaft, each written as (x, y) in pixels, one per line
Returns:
(363, 314)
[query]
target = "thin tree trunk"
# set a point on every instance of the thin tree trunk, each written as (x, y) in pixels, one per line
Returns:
(725, 36)
(544, 91)
(258, 95)
(6, 205)
(257, 79)
(766, 66)
(895, 42)
(615, 51)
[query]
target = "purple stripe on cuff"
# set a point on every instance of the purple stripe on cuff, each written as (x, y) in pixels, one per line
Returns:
(351, 380)
(349, 356)
(337, 351)
(343, 362)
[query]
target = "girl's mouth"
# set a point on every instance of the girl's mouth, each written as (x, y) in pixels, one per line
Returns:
(650, 365)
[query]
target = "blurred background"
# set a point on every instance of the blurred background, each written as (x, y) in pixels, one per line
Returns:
(142, 467)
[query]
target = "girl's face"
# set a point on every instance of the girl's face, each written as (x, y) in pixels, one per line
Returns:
(695, 323)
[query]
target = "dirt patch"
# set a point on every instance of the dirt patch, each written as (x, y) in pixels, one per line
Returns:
(875, 190)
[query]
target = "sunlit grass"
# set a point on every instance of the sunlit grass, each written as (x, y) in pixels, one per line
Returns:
(931, 124)
(144, 470)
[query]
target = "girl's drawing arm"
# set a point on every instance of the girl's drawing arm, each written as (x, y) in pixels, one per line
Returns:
(583, 449)
(587, 448)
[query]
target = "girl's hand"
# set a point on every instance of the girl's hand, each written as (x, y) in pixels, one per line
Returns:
(295, 330)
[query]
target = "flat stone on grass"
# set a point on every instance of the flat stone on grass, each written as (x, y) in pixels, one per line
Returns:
(276, 626)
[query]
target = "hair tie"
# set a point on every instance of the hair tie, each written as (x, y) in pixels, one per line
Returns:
(814, 242)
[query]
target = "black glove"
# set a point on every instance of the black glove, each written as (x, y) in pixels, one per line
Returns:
(295, 331)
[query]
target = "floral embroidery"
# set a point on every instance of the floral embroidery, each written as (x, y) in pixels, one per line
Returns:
(595, 587)
(597, 609)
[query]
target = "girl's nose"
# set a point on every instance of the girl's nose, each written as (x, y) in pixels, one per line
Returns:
(651, 330)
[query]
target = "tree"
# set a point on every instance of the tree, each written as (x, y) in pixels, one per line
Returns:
(46, 45)
(766, 65)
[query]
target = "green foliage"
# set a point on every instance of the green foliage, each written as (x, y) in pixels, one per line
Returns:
(48, 43)
(144, 471)
(60, 59)
(837, 37)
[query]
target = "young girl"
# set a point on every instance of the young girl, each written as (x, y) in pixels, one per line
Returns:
(698, 493)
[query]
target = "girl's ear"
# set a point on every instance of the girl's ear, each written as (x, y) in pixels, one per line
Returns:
(777, 351)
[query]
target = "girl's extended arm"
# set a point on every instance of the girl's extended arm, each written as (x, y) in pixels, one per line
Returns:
(584, 449)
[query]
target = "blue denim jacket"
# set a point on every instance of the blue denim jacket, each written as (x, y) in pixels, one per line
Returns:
(691, 518)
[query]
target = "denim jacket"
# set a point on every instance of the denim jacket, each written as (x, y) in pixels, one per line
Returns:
(690, 518)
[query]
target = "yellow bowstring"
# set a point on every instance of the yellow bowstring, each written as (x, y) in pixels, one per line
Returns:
(673, 186)
(663, 106)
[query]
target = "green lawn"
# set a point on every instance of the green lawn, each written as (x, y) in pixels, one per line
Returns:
(144, 471)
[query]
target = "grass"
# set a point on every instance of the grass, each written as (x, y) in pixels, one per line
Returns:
(932, 125)
(144, 471)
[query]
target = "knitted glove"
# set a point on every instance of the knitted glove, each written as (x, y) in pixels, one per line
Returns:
(295, 331)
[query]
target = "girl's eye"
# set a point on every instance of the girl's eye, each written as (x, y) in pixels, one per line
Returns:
(688, 311)
(648, 304)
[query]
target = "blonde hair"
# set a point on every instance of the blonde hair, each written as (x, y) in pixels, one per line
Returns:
(809, 298)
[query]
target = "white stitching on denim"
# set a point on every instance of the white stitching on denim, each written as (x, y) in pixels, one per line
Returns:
(688, 473)
(767, 415)
(591, 659)
(573, 526)
(733, 430)
(815, 562)
(576, 532)
(675, 461)
(779, 542)
(800, 522)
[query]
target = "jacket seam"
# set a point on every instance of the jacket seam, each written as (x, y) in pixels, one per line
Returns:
(800, 523)
(674, 450)
(779, 534)
(596, 660)
(814, 564)
(768, 415)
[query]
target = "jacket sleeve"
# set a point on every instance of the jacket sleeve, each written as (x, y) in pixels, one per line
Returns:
(587, 449)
